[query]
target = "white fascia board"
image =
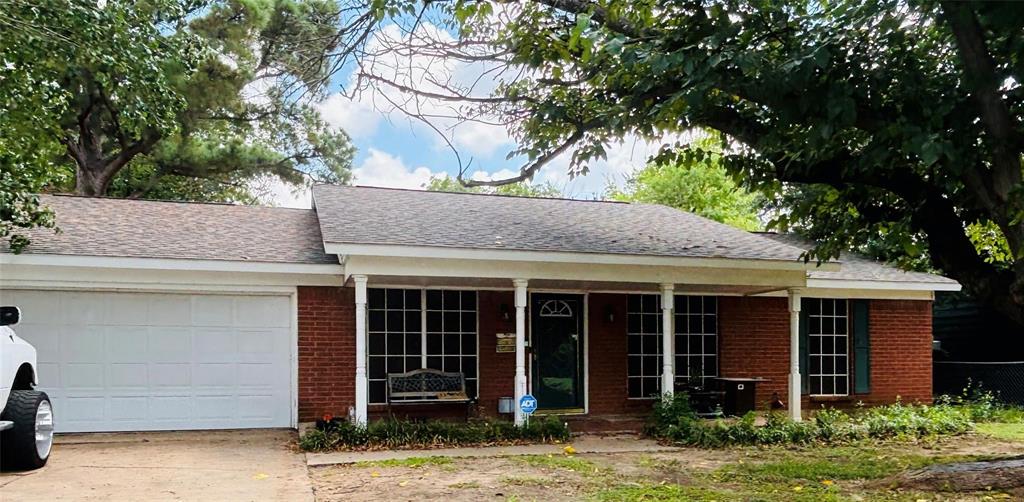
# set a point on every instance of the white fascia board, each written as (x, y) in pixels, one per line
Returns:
(170, 264)
(400, 251)
(882, 285)
(851, 293)
(583, 272)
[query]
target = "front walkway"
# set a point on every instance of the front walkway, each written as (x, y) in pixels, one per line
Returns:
(581, 445)
(208, 465)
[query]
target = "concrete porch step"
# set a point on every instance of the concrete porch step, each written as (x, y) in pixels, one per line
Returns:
(606, 424)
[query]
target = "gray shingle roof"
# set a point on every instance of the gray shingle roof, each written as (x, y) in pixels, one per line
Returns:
(857, 267)
(367, 215)
(154, 229)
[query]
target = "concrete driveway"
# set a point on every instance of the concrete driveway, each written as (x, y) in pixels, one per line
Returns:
(208, 465)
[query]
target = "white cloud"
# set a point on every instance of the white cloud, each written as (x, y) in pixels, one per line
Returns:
(357, 118)
(382, 169)
(360, 115)
(285, 195)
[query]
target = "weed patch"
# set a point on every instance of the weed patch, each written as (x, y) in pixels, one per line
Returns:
(340, 435)
(560, 462)
(414, 462)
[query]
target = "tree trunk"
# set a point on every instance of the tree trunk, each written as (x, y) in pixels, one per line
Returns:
(92, 181)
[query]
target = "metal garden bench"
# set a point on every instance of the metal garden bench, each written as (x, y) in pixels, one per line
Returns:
(428, 386)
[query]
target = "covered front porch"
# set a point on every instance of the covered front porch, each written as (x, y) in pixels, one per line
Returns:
(583, 334)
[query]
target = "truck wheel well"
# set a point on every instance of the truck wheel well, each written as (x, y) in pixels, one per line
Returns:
(23, 379)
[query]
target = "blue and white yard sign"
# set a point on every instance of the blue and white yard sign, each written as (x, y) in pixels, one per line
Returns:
(527, 404)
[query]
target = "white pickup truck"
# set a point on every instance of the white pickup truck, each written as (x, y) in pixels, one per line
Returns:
(26, 416)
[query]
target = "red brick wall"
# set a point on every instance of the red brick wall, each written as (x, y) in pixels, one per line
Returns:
(754, 342)
(901, 351)
(327, 326)
(497, 370)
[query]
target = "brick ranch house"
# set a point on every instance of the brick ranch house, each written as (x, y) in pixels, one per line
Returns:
(161, 315)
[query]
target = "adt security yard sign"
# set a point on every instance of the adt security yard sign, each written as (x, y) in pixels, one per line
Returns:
(527, 404)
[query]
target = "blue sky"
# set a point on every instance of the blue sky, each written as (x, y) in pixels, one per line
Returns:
(395, 151)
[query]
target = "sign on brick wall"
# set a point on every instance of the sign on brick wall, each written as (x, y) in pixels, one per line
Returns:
(506, 342)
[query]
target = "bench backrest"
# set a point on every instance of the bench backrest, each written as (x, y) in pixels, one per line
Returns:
(426, 385)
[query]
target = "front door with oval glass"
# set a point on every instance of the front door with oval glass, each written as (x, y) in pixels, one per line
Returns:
(556, 338)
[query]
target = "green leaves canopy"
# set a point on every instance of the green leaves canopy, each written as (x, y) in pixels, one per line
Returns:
(698, 183)
(895, 121)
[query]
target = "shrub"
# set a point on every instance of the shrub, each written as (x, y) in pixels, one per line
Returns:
(674, 422)
(392, 433)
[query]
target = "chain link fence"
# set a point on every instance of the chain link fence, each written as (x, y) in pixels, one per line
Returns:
(1006, 379)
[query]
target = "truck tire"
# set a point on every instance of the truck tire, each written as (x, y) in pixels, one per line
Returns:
(27, 445)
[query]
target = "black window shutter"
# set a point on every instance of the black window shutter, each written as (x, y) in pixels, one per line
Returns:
(861, 347)
(805, 362)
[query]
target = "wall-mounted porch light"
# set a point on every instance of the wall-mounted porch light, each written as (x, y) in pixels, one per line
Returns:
(505, 315)
(609, 314)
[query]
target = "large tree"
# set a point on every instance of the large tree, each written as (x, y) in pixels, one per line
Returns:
(240, 116)
(897, 120)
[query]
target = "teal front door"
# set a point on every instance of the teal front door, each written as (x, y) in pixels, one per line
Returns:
(556, 338)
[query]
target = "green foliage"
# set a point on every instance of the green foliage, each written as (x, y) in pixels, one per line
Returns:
(522, 189)
(414, 462)
(559, 462)
(883, 123)
(393, 433)
(661, 492)
(674, 422)
(42, 43)
(171, 99)
(698, 183)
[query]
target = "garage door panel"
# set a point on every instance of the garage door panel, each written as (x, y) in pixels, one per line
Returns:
(127, 310)
(259, 312)
(170, 310)
(215, 345)
(170, 345)
(212, 311)
(127, 344)
(170, 377)
(83, 308)
(85, 343)
(146, 361)
(128, 377)
(134, 408)
(84, 376)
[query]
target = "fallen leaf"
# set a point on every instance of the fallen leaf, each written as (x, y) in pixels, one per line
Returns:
(261, 475)
(403, 483)
(374, 474)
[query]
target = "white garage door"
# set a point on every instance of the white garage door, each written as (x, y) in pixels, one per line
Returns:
(147, 361)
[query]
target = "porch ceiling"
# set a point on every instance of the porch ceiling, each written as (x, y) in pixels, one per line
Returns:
(580, 276)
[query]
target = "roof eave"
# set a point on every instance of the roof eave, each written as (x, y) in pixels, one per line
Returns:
(409, 251)
(882, 285)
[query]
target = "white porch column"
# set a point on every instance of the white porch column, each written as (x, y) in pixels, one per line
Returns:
(520, 383)
(668, 359)
(362, 387)
(794, 354)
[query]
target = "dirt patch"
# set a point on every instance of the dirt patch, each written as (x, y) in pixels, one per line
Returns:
(462, 480)
(1003, 474)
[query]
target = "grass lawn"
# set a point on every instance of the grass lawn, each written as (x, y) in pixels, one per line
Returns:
(1009, 432)
(871, 471)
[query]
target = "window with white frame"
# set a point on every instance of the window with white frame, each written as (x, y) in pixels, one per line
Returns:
(828, 346)
(696, 331)
(411, 329)
(696, 341)
(643, 340)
